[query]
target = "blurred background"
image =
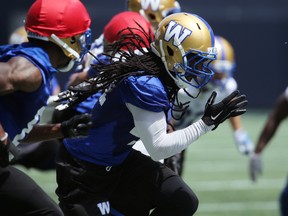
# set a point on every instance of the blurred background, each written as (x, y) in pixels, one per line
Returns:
(257, 29)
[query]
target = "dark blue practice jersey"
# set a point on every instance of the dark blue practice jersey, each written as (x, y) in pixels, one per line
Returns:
(110, 140)
(87, 105)
(19, 108)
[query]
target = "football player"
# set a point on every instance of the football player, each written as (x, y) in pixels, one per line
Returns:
(102, 169)
(278, 114)
(122, 23)
(56, 43)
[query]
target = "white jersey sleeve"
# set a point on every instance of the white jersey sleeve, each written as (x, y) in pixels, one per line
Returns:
(151, 128)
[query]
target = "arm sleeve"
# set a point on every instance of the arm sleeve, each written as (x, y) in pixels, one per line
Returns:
(151, 128)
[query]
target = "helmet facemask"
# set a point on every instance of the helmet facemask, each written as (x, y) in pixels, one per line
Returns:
(74, 47)
(193, 70)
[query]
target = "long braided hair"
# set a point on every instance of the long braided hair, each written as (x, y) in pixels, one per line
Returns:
(125, 61)
(128, 56)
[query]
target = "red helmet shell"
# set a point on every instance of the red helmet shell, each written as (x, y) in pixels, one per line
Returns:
(64, 18)
(123, 20)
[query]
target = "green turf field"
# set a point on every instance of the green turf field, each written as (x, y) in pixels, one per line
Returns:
(218, 174)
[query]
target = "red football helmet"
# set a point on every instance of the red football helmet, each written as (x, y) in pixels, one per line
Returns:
(128, 19)
(64, 22)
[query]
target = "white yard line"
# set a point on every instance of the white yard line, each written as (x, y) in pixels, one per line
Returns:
(237, 206)
(267, 184)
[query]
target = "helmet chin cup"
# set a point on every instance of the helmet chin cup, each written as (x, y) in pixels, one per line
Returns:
(68, 67)
(181, 84)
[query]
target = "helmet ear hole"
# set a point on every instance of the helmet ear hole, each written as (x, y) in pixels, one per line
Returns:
(73, 40)
(170, 51)
(152, 16)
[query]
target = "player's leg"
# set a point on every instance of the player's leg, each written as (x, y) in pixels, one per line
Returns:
(84, 188)
(39, 155)
(175, 197)
(20, 195)
(146, 185)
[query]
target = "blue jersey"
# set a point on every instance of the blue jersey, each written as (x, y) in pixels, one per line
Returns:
(19, 108)
(110, 140)
(87, 105)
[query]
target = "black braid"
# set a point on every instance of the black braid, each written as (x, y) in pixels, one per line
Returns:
(130, 63)
(125, 62)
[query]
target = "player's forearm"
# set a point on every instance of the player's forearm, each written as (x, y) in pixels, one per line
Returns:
(278, 114)
(175, 142)
(152, 130)
(266, 135)
(235, 122)
(44, 132)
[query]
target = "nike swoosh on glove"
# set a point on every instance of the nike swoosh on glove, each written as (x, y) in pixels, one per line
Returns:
(233, 105)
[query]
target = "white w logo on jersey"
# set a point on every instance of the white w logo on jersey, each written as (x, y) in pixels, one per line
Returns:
(177, 32)
(155, 4)
(104, 208)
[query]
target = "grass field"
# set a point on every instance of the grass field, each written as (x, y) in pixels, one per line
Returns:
(218, 174)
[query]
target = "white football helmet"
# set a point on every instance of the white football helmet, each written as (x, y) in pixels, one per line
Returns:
(185, 43)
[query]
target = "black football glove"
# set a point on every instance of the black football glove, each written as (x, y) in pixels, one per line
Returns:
(231, 106)
(77, 126)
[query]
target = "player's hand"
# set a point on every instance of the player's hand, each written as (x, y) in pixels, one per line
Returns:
(255, 166)
(243, 142)
(77, 78)
(76, 94)
(77, 126)
(231, 106)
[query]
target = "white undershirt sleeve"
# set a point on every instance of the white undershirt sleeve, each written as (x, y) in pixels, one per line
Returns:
(151, 128)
